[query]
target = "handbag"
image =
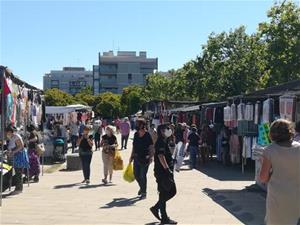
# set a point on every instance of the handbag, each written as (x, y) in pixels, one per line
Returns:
(118, 161)
(40, 149)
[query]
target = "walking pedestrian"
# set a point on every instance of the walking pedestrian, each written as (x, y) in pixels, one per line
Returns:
(85, 143)
(141, 155)
(18, 154)
(194, 141)
(109, 144)
(280, 169)
(163, 172)
(125, 131)
(97, 128)
(34, 159)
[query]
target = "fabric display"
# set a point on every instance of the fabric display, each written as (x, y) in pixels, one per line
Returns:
(263, 134)
(23, 106)
(287, 106)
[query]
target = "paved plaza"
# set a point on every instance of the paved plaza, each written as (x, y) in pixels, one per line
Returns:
(211, 195)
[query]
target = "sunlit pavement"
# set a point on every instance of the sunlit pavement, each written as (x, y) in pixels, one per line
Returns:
(211, 195)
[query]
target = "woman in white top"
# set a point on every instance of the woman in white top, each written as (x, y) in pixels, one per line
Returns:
(18, 154)
(281, 170)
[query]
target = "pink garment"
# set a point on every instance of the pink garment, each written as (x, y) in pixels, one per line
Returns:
(125, 128)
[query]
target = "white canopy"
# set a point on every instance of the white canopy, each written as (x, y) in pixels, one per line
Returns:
(65, 109)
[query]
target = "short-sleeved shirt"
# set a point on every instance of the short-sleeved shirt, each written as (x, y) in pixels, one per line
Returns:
(84, 146)
(194, 139)
(162, 148)
(283, 187)
(141, 147)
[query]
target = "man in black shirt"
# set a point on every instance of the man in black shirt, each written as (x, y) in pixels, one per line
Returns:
(142, 155)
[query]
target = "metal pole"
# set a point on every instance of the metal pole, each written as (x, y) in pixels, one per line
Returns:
(2, 131)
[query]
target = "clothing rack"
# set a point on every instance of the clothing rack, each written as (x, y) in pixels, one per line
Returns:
(6, 73)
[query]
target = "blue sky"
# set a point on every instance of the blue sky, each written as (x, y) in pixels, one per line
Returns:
(39, 36)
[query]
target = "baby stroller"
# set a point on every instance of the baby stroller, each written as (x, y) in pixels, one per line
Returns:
(59, 149)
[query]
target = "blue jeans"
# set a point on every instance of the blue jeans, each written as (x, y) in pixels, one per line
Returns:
(86, 162)
(193, 156)
(140, 174)
(74, 140)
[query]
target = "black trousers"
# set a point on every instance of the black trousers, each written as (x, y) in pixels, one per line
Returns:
(164, 196)
(86, 162)
(124, 139)
(18, 179)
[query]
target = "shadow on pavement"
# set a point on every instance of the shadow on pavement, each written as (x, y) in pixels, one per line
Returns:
(220, 172)
(121, 202)
(66, 186)
(96, 185)
(154, 223)
(247, 205)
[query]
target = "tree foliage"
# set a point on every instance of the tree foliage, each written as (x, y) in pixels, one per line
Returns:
(56, 97)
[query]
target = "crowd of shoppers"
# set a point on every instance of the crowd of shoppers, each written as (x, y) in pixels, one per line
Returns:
(280, 162)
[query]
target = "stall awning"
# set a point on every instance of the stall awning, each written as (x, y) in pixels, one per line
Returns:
(66, 109)
(186, 109)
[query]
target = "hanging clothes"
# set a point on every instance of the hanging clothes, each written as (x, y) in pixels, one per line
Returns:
(249, 112)
(287, 107)
(247, 147)
(235, 151)
(233, 116)
(257, 112)
(268, 111)
(219, 115)
(241, 111)
(227, 110)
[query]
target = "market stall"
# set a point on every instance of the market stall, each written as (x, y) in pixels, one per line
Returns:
(64, 115)
(21, 105)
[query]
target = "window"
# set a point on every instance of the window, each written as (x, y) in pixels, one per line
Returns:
(54, 83)
(129, 78)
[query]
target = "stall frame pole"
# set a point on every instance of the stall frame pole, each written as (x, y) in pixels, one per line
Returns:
(2, 131)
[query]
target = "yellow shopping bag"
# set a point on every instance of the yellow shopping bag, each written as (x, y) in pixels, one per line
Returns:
(118, 162)
(128, 174)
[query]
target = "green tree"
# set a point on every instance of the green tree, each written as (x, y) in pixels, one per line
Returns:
(157, 88)
(282, 37)
(85, 96)
(110, 105)
(56, 97)
(228, 65)
(132, 100)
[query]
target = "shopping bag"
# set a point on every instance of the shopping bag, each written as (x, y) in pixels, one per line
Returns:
(118, 162)
(40, 149)
(128, 174)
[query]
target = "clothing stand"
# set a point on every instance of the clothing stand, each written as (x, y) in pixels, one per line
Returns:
(2, 74)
